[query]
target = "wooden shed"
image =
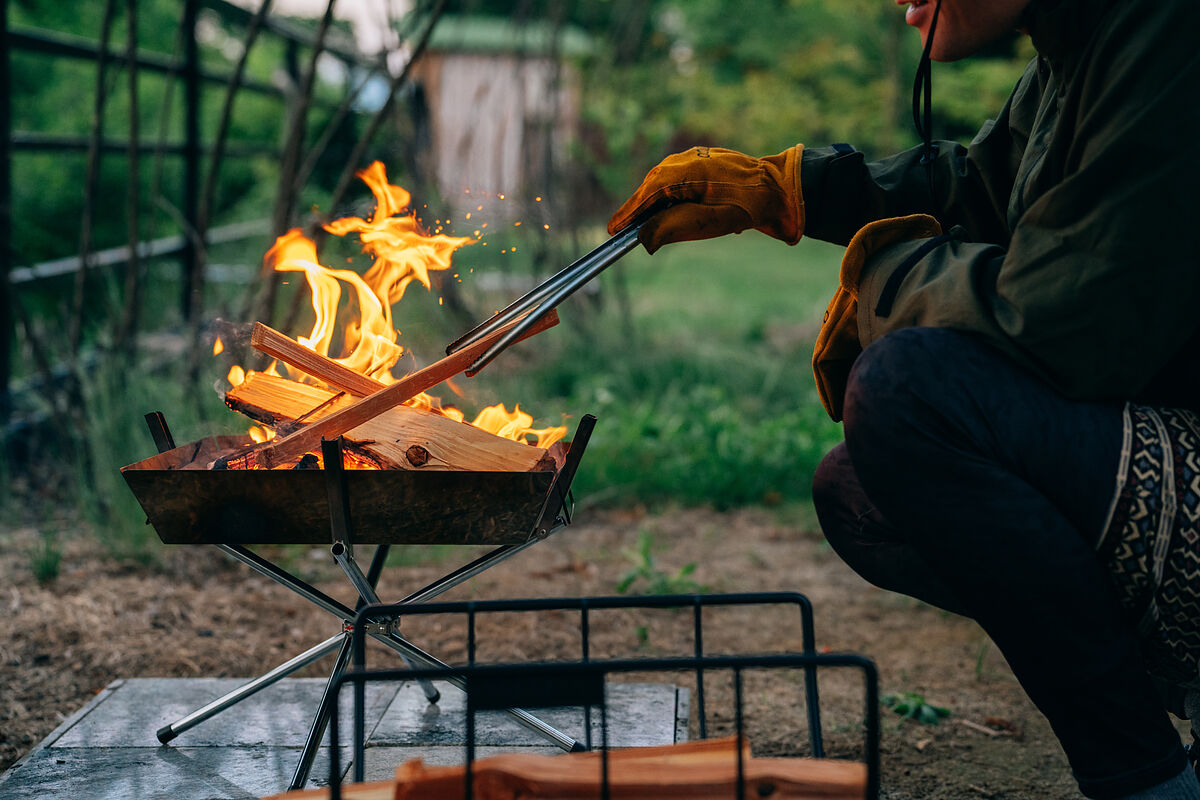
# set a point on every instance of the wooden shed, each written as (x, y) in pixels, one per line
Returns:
(501, 101)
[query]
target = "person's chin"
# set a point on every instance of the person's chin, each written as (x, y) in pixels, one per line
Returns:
(945, 52)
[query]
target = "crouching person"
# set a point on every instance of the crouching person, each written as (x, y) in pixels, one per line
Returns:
(1014, 349)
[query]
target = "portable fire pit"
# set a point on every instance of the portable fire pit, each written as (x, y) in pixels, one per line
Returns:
(190, 504)
(416, 473)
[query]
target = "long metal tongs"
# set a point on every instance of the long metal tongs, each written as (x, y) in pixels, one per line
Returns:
(539, 301)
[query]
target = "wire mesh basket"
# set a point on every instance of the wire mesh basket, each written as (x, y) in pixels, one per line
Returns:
(581, 683)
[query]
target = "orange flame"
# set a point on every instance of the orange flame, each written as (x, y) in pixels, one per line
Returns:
(516, 426)
(402, 253)
(260, 435)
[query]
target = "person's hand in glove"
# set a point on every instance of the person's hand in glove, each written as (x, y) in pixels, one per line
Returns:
(712, 192)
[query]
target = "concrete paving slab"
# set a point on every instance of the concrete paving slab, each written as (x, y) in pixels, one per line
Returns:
(107, 750)
(158, 773)
(639, 714)
(277, 716)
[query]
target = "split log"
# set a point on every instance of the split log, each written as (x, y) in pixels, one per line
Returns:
(693, 770)
(270, 341)
(674, 771)
(561, 778)
(400, 438)
(292, 446)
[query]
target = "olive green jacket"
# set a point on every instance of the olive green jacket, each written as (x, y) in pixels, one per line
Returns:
(1074, 215)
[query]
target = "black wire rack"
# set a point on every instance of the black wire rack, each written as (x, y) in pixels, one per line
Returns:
(581, 683)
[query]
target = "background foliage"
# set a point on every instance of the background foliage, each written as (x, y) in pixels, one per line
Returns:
(695, 360)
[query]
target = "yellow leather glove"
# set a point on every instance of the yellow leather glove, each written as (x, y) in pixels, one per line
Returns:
(837, 342)
(715, 191)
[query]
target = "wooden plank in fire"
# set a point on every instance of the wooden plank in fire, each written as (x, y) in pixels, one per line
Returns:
(290, 447)
(400, 438)
(270, 341)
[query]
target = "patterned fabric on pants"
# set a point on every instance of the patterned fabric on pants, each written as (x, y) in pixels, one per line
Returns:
(1151, 544)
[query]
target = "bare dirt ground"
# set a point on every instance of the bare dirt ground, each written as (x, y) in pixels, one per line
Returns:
(199, 614)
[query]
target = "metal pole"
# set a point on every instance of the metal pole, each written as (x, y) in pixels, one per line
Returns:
(316, 653)
(7, 317)
(191, 152)
(320, 720)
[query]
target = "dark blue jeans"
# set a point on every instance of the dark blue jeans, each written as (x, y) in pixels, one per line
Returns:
(967, 482)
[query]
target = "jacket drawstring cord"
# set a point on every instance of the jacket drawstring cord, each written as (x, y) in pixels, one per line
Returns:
(922, 105)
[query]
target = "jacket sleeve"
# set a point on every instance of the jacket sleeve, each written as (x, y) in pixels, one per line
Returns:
(1098, 287)
(843, 191)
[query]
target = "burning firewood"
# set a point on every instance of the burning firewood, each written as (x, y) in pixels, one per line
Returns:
(399, 438)
(270, 341)
(378, 399)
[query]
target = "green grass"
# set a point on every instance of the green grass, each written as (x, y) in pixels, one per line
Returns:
(45, 558)
(648, 577)
(704, 392)
(114, 434)
(910, 705)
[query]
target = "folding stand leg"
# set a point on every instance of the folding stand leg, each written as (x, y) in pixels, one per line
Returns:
(321, 719)
(168, 732)
(342, 527)
(341, 524)
(367, 596)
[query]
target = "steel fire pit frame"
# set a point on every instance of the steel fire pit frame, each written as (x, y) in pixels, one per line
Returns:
(555, 514)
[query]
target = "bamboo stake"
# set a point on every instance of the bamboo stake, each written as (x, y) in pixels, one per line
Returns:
(128, 323)
(297, 444)
(75, 329)
(218, 153)
(286, 193)
(368, 135)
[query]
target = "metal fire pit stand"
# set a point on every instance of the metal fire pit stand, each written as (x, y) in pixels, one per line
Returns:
(555, 514)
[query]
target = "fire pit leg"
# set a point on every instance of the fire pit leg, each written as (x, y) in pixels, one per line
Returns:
(367, 596)
(168, 732)
(395, 642)
(342, 527)
(412, 653)
(321, 719)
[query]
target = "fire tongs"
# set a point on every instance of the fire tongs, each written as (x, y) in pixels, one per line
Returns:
(539, 301)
